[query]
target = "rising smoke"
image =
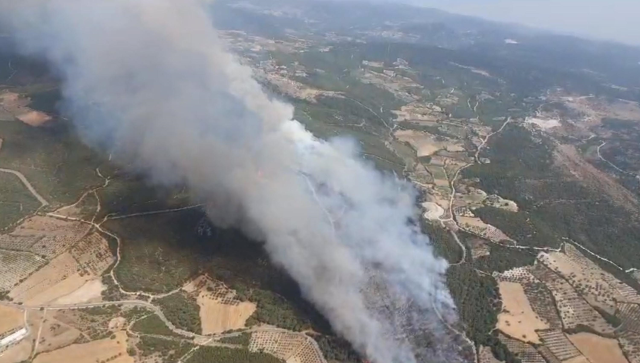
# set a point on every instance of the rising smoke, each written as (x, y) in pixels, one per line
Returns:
(150, 81)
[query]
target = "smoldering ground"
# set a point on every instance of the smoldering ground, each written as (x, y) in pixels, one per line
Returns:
(150, 81)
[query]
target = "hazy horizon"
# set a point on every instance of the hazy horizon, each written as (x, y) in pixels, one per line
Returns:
(613, 20)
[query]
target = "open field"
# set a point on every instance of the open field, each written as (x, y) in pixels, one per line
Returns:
(17, 353)
(517, 318)
(539, 296)
(220, 311)
(113, 350)
(56, 335)
(90, 291)
(598, 349)
(58, 278)
(10, 319)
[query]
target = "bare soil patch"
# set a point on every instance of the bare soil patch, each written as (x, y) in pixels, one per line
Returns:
(91, 291)
(13, 104)
(518, 319)
(598, 349)
(34, 118)
(112, 350)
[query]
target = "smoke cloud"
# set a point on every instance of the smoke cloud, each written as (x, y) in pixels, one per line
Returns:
(151, 82)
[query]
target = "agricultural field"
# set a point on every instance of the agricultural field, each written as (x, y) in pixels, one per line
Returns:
(112, 350)
(15, 267)
(220, 310)
(517, 318)
(597, 348)
(286, 346)
(10, 320)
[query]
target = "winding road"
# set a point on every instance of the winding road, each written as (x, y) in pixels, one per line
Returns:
(26, 183)
(610, 163)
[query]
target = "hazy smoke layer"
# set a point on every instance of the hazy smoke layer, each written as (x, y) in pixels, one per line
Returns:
(151, 82)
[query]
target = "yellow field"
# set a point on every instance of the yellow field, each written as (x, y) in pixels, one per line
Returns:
(112, 350)
(17, 353)
(220, 311)
(56, 335)
(598, 349)
(217, 317)
(518, 319)
(59, 278)
(10, 319)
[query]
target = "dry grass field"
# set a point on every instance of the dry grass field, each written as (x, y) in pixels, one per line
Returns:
(598, 349)
(112, 350)
(220, 311)
(517, 318)
(10, 319)
(56, 335)
(59, 278)
(17, 353)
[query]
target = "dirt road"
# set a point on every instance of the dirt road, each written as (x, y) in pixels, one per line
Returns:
(26, 183)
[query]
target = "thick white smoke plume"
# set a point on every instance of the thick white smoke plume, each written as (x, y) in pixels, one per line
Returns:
(151, 82)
